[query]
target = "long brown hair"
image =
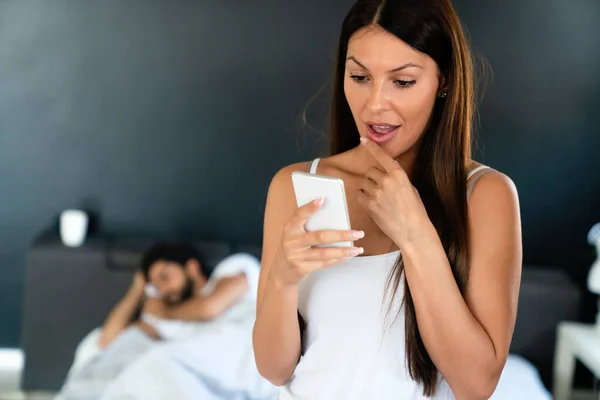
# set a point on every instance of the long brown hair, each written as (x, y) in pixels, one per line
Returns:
(433, 28)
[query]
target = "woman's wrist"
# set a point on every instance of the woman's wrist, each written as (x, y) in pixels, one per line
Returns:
(420, 234)
(280, 292)
(278, 284)
(277, 280)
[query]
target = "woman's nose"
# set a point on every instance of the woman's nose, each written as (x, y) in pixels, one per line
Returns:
(378, 99)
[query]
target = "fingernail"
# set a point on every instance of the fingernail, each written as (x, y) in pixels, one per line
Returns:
(364, 140)
(356, 251)
(319, 201)
(357, 235)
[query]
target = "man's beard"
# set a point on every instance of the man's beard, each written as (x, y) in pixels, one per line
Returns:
(188, 290)
(186, 293)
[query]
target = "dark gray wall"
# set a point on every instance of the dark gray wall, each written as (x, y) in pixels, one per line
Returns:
(541, 117)
(172, 118)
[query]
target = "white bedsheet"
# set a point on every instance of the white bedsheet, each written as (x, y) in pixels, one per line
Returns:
(94, 369)
(196, 368)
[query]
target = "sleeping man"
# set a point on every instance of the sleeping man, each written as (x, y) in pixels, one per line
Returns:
(181, 289)
(174, 310)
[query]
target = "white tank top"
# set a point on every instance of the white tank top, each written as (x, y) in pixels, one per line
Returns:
(353, 341)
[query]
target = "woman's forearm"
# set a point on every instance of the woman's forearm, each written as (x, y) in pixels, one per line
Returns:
(457, 343)
(276, 335)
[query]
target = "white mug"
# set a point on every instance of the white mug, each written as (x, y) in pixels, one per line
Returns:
(73, 227)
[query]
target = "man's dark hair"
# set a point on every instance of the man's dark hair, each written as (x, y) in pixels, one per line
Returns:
(178, 253)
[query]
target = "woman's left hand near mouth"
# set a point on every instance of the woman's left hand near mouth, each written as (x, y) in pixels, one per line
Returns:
(390, 198)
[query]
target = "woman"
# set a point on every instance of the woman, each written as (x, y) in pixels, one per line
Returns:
(425, 306)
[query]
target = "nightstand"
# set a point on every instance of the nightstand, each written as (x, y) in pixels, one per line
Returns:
(574, 341)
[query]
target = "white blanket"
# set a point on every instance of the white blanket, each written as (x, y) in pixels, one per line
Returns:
(202, 360)
(199, 360)
(196, 368)
(94, 369)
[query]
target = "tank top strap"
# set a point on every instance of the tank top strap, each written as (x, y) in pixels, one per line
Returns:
(474, 176)
(314, 165)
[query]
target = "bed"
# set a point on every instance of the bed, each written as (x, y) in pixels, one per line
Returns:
(85, 283)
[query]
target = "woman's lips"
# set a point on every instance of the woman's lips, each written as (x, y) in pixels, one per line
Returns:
(381, 133)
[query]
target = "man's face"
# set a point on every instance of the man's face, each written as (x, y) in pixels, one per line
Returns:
(174, 283)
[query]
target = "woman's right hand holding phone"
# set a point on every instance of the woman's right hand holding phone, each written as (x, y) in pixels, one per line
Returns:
(297, 257)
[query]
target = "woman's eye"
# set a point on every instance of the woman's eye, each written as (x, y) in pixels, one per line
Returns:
(358, 78)
(404, 84)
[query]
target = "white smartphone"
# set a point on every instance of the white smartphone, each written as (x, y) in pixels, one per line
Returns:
(333, 215)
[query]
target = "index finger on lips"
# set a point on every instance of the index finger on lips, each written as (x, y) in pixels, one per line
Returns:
(383, 158)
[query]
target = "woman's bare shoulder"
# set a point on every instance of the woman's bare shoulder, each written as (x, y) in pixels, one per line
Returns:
(494, 188)
(336, 165)
(281, 191)
(283, 177)
(492, 176)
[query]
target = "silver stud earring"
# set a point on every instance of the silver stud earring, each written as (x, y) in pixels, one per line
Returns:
(443, 95)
